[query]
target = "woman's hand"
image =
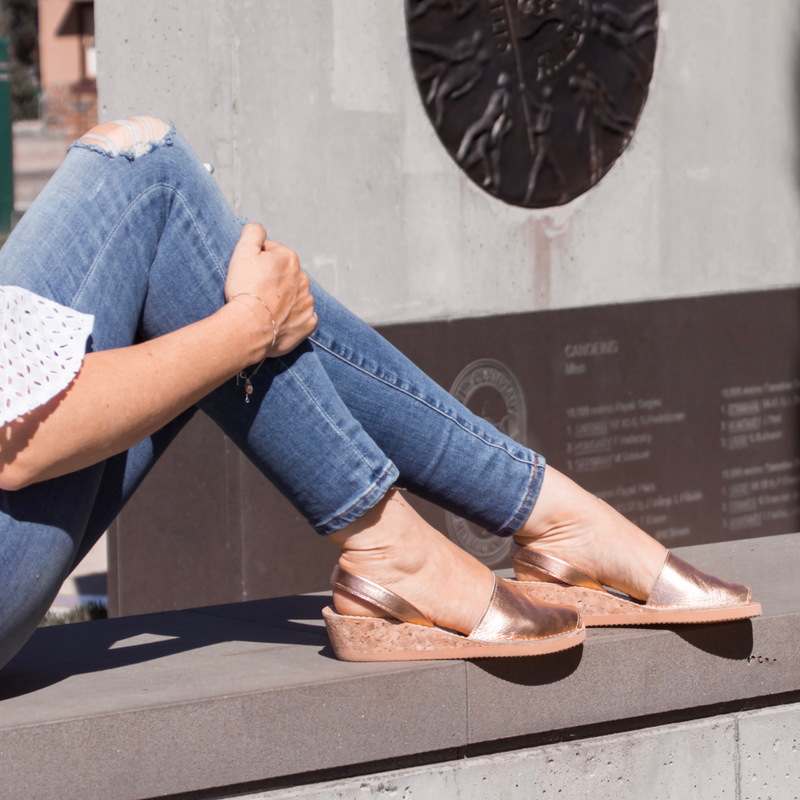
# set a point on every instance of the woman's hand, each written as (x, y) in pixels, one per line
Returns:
(121, 396)
(272, 272)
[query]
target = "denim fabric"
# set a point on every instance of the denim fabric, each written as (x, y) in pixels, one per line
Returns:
(143, 243)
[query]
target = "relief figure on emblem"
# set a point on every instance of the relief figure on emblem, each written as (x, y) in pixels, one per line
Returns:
(483, 139)
(623, 31)
(535, 100)
(597, 113)
(458, 8)
(542, 149)
(455, 71)
(555, 28)
(535, 14)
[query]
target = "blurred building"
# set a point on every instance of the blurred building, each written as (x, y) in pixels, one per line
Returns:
(68, 65)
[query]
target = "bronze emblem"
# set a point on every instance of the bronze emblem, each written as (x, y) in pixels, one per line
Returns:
(490, 390)
(534, 99)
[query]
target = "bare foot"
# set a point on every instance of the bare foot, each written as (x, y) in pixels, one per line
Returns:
(393, 546)
(569, 523)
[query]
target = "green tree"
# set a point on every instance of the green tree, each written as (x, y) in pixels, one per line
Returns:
(19, 21)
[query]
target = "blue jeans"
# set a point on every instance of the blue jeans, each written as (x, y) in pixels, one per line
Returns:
(143, 244)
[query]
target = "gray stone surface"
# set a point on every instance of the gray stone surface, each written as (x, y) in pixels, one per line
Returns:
(769, 754)
(310, 113)
(179, 701)
(144, 706)
(631, 672)
(675, 762)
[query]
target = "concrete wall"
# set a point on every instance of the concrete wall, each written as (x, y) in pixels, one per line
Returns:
(310, 113)
(748, 756)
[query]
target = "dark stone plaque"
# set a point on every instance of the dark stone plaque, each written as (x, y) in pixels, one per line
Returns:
(534, 99)
(682, 414)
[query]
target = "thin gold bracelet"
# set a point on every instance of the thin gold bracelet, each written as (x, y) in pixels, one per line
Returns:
(248, 386)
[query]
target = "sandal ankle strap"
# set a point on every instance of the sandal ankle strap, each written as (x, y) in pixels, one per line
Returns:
(556, 568)
(376, 595)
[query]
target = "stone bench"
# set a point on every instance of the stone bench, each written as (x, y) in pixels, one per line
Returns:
(250, 698)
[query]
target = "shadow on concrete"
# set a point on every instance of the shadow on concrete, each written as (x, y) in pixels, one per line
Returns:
(549, 669)
(733, 640)
(54, 654)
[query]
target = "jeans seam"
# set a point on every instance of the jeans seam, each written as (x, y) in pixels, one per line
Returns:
(325, 415)
(372, 487)
(124, 216)
(519, 511)
(424, 402)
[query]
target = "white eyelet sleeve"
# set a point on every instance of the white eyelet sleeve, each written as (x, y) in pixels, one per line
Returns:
(42, 346)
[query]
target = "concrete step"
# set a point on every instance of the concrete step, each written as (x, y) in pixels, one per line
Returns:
(236, 696)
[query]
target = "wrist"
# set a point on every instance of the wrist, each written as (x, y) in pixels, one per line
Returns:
(249, 326)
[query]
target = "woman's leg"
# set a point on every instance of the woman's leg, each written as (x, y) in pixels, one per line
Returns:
(462, 463)
(47, 529)
(141, 238)
(142, 241)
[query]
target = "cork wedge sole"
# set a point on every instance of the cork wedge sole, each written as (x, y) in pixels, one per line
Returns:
(512, 624)
(378, 639)
(680, 595)
(600, 609)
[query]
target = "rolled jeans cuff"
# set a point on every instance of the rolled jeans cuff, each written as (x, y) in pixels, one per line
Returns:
(529, 501)
(371, 497)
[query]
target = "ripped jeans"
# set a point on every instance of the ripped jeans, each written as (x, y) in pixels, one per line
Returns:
(142, 239)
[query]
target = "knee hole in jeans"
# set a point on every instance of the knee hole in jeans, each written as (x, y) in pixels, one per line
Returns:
(133, 135)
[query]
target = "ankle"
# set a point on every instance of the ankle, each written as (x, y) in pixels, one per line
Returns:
(558, 498)
(394, 547)
(388, 539)
(378, 528)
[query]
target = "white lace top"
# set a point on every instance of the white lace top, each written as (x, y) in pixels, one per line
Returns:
(42, 345)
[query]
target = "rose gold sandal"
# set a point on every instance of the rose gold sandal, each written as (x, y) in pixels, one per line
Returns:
(681, 593)
(512, 625)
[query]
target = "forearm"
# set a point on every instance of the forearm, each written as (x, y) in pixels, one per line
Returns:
(122, 396)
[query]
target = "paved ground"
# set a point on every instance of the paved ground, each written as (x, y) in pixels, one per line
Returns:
(37, 154)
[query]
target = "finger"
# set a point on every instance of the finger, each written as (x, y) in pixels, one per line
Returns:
(251, 239)
(270, 246)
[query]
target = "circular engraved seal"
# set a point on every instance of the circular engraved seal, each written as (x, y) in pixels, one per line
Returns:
(490, 390)
(534, 99)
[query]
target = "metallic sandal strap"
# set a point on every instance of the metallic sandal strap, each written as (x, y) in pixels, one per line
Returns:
(556, 568)
(680, 584)
(511, 615)
(370, 591)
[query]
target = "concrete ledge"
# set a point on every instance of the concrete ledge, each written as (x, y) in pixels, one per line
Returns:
(171, 703)
(743, 756)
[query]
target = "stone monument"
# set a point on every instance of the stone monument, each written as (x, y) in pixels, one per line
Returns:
(579, 216)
